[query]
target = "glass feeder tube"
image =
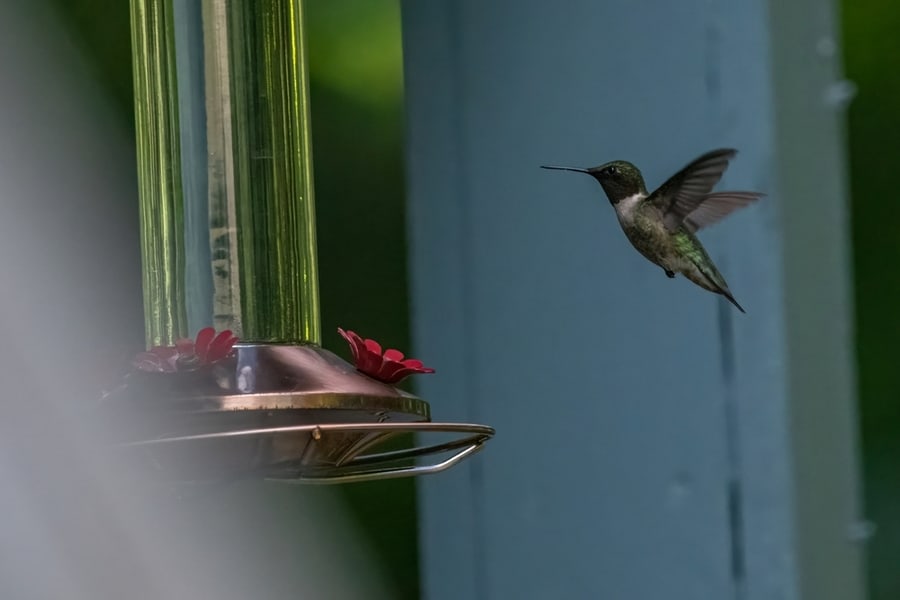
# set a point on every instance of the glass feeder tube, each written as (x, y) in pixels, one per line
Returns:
(224, 167)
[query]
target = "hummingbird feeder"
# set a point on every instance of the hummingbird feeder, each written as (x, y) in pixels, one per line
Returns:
(228, 245)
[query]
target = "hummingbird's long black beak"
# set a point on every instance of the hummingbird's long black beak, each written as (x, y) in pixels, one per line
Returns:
(575, 169)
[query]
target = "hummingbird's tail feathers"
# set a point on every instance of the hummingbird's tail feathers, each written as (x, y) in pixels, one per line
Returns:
(716, 283)
(731, 299)
(716, 207)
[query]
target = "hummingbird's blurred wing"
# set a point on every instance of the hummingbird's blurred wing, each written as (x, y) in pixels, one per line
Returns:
(687, 189)
(715, 207)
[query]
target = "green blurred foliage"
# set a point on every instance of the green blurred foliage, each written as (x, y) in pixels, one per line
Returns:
(356, 89)
(355, 50)
(102, 29)
(872, 58)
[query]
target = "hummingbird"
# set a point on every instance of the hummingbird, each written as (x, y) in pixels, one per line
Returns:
(661, 225)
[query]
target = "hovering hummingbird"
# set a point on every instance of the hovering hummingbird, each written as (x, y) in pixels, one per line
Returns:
(661, 225)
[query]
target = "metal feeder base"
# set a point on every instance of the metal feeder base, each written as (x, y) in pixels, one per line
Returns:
(290, 413)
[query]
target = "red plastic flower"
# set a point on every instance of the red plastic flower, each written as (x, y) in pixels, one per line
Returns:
(387, 367)
(187, 354)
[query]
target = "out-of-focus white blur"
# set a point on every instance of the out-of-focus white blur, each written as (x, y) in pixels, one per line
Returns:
(74, 521)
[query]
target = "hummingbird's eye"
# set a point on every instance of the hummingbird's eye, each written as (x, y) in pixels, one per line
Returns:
(613, 170)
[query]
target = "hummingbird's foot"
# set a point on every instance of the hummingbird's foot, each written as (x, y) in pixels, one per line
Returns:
(670, 274)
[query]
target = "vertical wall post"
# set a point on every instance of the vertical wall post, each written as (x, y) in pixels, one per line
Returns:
(652, 442)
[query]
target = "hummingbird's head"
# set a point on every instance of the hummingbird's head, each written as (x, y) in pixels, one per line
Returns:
(620, 179)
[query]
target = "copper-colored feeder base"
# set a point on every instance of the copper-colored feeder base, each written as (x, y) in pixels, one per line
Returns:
(292, 413)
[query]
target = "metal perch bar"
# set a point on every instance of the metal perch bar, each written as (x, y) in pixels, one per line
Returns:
(357, 466)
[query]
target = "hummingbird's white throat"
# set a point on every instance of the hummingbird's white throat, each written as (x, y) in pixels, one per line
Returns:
(625, 207)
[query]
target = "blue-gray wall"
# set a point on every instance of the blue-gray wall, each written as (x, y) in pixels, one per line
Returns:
(652, 442)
